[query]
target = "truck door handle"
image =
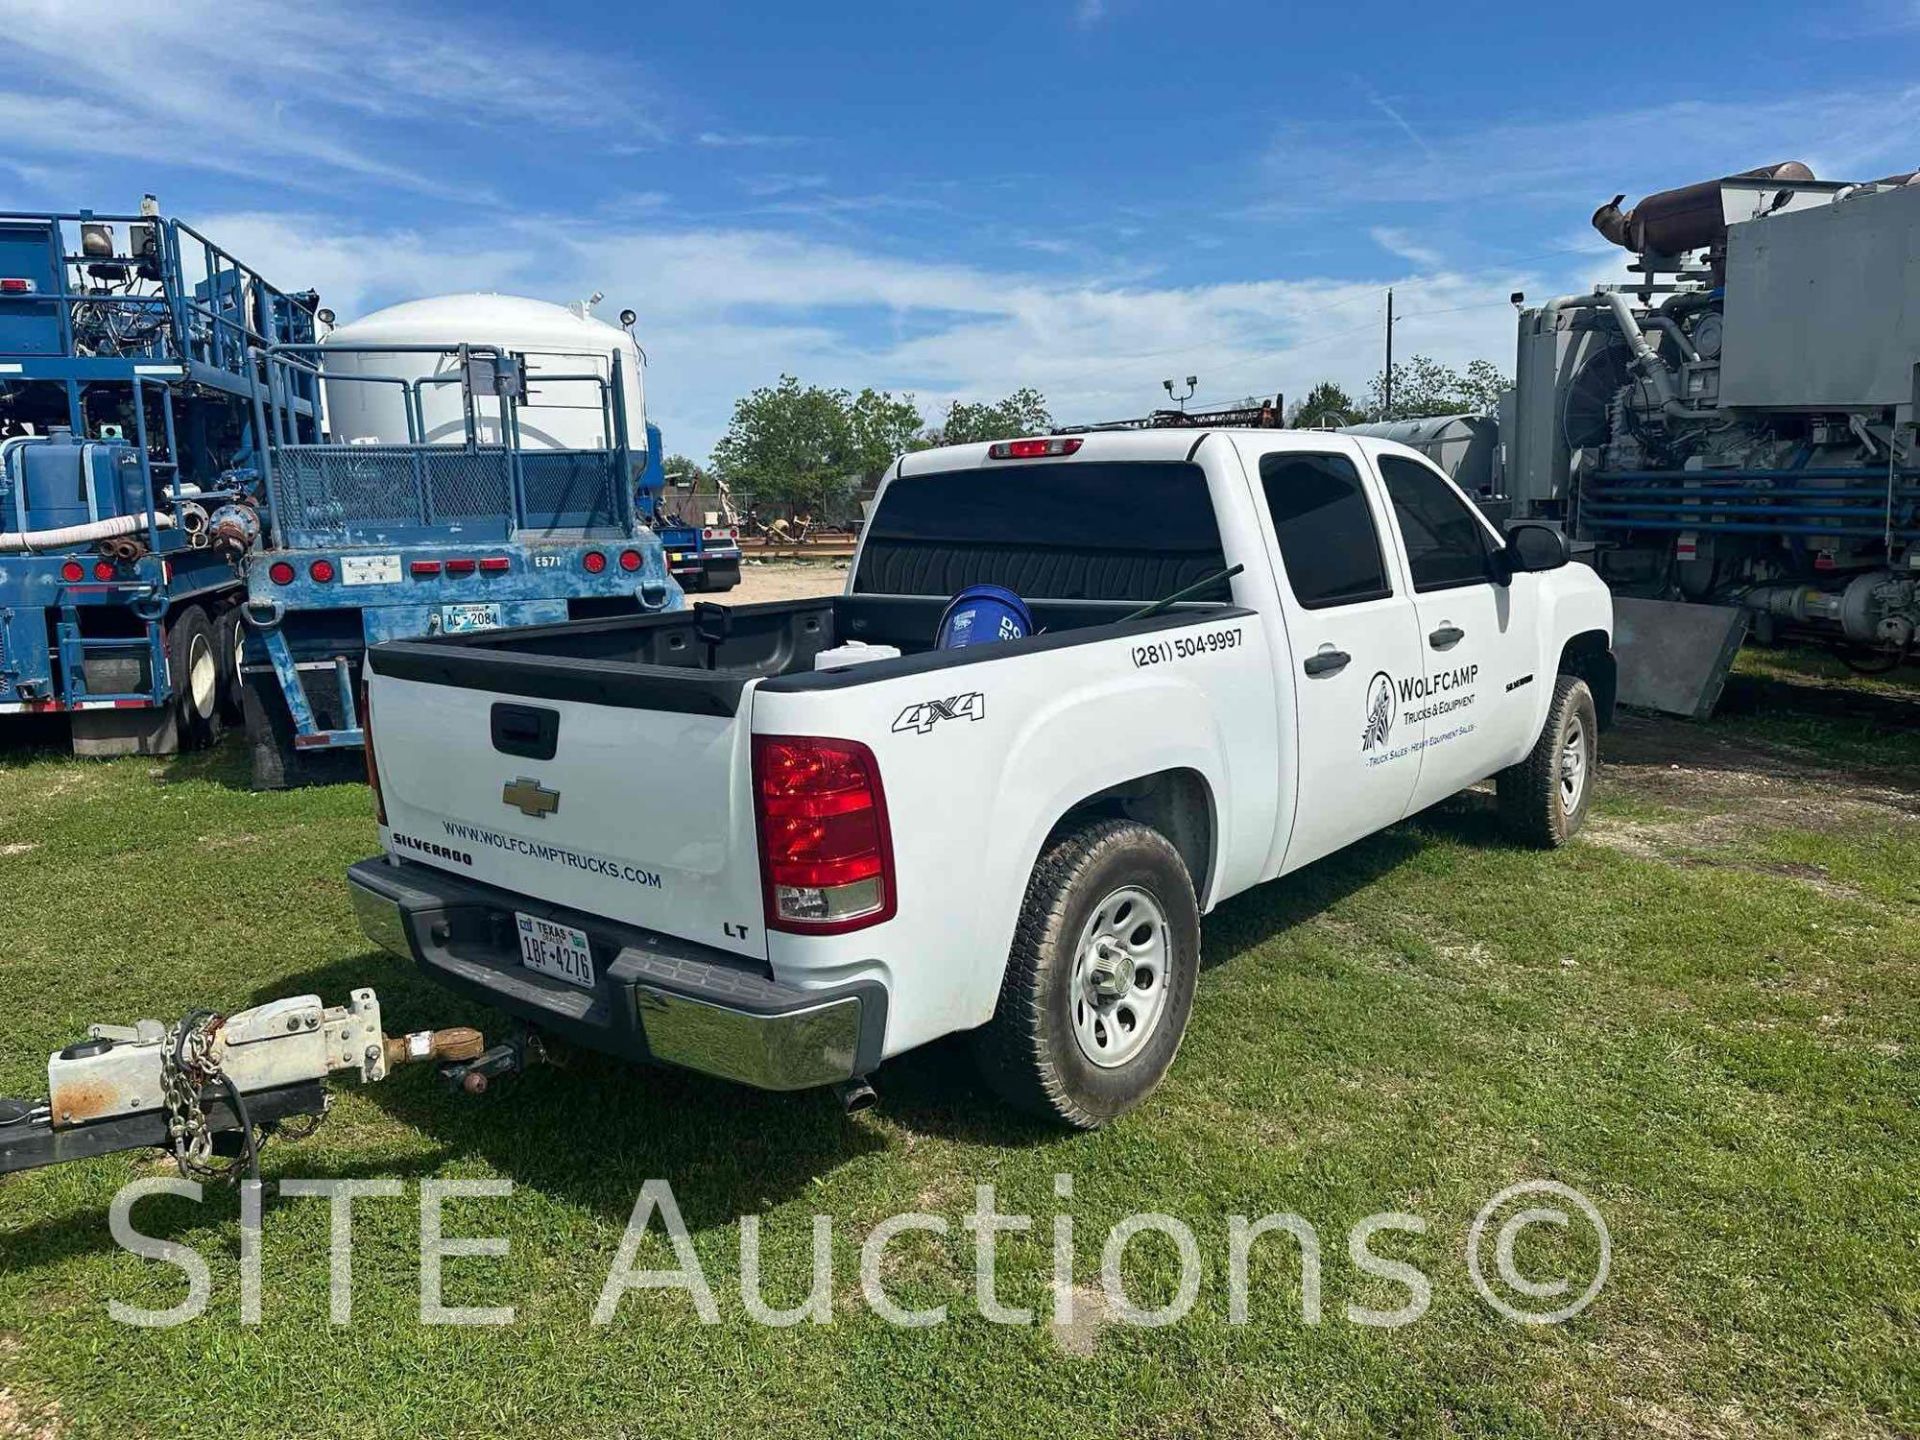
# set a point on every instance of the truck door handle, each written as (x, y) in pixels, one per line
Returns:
(1446, 637)
(1326, 662)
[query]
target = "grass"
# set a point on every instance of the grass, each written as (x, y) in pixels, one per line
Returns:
(1702, 1015)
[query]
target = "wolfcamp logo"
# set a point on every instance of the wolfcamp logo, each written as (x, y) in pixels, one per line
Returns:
(1379, 713)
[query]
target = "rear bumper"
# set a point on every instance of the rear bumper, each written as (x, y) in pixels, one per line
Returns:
(655, 998)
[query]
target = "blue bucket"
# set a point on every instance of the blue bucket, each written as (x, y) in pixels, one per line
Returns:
(983, 615)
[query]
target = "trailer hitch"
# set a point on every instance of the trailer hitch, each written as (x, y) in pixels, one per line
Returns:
(521, 1050)
(208, 1088)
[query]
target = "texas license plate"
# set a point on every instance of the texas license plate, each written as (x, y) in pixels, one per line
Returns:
(459, 619)
(557, 950)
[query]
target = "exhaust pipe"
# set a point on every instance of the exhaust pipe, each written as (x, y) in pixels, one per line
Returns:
(856, 1095)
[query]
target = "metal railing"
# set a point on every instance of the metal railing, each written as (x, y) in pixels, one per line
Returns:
(335, 493)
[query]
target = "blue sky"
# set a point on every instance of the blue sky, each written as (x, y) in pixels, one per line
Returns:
(1086, 196)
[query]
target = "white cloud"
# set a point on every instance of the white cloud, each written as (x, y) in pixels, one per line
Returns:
(1400, 242)
(725, 309)
(1587, 155)
(296, 94)
(725, 140)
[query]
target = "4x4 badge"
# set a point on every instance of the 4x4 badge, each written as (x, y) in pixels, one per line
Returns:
(924, 716)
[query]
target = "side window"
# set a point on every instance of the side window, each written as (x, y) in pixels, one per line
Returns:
(1446, 543)
(1325, 529)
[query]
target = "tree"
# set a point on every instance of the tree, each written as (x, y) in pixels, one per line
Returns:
(690, 473)
(879, 427)
(1022, 413)
(1423, 386)
(787, 442)
(1326, 404)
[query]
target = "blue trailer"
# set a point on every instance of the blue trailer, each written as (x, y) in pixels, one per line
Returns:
(472, 516)
(130, 487)
(699, 557)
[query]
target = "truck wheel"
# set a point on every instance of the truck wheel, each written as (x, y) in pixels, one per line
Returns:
(1543, 799)
(231, 632)
(1100, 980)
(195, 671)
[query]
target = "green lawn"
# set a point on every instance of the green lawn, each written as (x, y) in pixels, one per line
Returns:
(1703, 1015)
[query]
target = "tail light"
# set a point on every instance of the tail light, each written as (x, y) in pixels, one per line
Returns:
(321, 571)
(1049, 448)
(280, 572)
(103, 570)
(495, 564)
(629, 559)
(826, 854)
(73, 570)
(733, 534)
(707, 534)
(461, 566)
(593, 562)
(373, 763)
(424, 569)
(15, 286)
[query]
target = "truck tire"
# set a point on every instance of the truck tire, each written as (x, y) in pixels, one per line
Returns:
(195, 674)
(1075, 1038)
(231, 632)
(1543, 799)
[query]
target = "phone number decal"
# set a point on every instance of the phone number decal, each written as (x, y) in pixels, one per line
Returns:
(1184, 647)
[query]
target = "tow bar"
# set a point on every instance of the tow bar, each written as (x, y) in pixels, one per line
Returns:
(208, 1088)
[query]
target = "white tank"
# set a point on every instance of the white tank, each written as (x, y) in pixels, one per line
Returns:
(555, 339)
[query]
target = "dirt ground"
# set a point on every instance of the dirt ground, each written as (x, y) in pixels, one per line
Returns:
(784, 581)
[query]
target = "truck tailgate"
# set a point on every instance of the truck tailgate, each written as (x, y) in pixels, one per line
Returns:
(642, 815)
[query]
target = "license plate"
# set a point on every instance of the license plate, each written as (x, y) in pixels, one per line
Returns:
(459, 619)
(557, 950)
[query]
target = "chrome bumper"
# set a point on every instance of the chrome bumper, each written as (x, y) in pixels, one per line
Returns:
(654, 998)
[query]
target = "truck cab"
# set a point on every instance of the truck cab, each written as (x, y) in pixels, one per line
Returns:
(1015, 839)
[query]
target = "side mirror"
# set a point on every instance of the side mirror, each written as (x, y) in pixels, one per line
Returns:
(1533, 547)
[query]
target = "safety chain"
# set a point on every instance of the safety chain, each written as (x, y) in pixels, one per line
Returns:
(187, 1066)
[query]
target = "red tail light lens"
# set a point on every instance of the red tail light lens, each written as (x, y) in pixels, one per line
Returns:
(424, 569)
(12, 286)
(629, 560)
(280, 572)
(321, 571)
(594, 562)
(495, 564)
(102, 570)
(707, 534)
(462, 566)
(826, 853)
(73, 570)
(1047, 448)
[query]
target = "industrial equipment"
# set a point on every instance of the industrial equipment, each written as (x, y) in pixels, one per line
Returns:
(1728, 437)
(478, 469)
(130, 480)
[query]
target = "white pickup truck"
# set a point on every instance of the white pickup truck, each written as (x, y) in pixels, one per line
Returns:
(674, 838)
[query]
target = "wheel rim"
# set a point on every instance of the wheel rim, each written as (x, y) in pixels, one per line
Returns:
(1573, 765)
(1120, 977)
(203, 675)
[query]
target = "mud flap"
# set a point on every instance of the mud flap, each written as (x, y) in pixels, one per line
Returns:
(1674, 657)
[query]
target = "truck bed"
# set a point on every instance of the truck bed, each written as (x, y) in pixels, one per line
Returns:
(664, 662)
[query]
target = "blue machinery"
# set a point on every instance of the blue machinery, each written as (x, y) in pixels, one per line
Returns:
(462, 527)
(180, 541)
(128, 485)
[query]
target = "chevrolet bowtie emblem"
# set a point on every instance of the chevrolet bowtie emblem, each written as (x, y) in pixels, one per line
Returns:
(530, 797)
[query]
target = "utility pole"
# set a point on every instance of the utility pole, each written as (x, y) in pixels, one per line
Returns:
(1386, 388)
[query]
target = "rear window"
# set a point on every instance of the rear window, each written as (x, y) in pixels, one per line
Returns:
(1113, 530)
